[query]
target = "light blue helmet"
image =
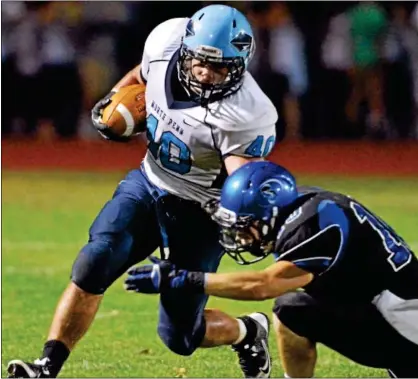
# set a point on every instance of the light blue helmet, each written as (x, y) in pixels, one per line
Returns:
(221, 36)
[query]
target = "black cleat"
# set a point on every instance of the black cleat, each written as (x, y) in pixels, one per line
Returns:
(254, 357)
(20, 369)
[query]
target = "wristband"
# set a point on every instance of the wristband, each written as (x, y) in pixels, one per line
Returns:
(196, 281)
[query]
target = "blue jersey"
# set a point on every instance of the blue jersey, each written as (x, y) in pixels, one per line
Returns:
(354, 255)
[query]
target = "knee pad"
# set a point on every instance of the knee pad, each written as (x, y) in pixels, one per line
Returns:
(182, 342)
(91, 270)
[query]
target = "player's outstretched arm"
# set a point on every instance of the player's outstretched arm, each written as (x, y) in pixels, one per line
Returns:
(277, 279)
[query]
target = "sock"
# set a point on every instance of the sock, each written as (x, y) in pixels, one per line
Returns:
(57, 353)
(247, 331)
(242, 331)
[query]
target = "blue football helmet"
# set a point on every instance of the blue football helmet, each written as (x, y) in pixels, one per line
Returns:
(255, 201)
(222, 37)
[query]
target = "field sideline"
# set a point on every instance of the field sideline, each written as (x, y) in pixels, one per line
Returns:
(45, 221)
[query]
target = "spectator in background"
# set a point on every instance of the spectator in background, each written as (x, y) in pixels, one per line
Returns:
(47, 85)
(337, 49)
(24, 47)
(287, 56)
(61, 82)
(274, 85)
(401, 70)
(12, 14)
(368, 25)
(337, 61)
(104, 34)
(279, 64)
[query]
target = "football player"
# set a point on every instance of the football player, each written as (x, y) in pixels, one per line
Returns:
(360, 278)
(206, 116)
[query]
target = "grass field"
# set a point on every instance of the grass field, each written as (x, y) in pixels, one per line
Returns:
(45, 218)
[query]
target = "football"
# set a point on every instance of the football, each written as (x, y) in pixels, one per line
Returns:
(126, 114)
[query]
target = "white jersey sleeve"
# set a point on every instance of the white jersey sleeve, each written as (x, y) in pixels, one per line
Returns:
(245, 122)
(257, 142)
(164, 39)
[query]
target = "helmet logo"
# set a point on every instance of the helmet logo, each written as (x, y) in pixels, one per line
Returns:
(190, 29)
(242, 41)
(269, 190)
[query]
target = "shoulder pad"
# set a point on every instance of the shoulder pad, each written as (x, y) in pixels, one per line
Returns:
(247, 109)
(165, 39)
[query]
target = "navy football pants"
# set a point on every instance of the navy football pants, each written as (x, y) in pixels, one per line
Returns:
(127, 230)
(357, 331)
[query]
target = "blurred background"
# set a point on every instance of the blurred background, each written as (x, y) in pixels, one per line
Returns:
(334, 70)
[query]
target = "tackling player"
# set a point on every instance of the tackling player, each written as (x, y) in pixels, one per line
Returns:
(360, 278)
(206, 116)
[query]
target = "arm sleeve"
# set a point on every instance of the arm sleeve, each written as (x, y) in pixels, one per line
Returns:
(256, 142)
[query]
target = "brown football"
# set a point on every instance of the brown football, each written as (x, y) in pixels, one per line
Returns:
(126, 114)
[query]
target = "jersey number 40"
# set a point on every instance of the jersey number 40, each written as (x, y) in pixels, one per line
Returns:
(399, 253)
(173, 153)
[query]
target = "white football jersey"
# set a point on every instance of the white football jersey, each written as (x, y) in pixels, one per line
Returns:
(186, 142)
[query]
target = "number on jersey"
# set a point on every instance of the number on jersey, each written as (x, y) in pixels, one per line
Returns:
(256, 147)
(173, 153)
(399, 253)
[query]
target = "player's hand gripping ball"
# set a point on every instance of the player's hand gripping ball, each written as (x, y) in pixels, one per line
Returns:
(121, 114)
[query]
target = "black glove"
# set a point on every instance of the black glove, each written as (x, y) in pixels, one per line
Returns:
(96, 117)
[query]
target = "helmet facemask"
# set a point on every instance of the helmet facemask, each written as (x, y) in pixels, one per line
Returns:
(244, 238)
(205, 93)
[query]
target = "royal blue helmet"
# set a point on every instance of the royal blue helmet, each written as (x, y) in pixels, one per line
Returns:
(222, 37)
(253, 200)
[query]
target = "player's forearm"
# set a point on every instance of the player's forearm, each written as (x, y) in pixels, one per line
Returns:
(132, 77)
(237, 286)
(251, 285)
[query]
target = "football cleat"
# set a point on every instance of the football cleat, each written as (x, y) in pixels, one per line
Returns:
(254, 356)
(20, 369)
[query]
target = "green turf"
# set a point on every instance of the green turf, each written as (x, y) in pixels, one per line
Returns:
(45, 221)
